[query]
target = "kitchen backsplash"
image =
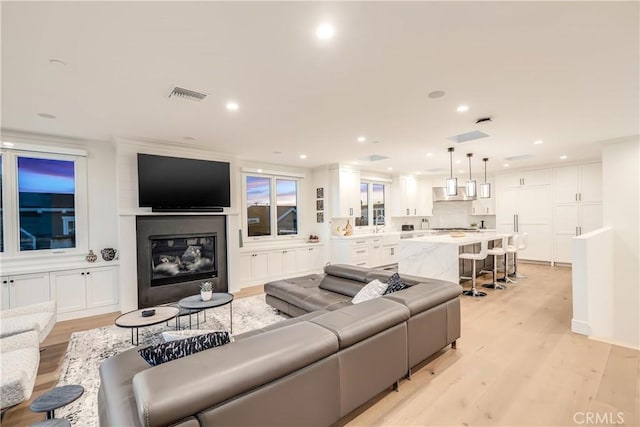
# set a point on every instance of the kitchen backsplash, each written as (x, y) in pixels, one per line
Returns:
(458, 214)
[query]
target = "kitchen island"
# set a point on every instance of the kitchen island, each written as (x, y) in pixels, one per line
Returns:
(436, 257)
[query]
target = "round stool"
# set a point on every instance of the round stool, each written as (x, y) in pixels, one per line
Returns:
(56, 398)
(475, 256)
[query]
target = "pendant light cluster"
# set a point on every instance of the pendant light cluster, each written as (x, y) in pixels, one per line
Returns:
(452, 182)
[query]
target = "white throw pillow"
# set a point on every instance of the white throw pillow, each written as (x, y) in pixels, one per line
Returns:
(371, 290)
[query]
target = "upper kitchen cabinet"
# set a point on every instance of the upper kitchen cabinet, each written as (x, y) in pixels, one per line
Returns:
(525, 179)
(487, 206)
(345, 192)
(426, 202)
(405, 195)
(579, 183)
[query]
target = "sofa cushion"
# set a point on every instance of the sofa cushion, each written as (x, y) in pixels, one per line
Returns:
(373, 289)
(395, 284)
(357, 322)
(350, 272)
(168, 351)
(341, 285)
(18, 367)
(282, 323)
(39, 322)
(423, 296)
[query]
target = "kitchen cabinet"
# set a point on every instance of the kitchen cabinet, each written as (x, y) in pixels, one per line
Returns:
(345, 193)
(376, 254)
(426, 199)
(308, 259)
(261, 266)
(577, 196)
(390, 254)
(487, 206)
(364, 252)
(84, 288)
(24, 289)
(522, 207)
(525, 178)
(406, 196)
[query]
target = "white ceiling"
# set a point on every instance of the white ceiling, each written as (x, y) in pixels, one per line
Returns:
(566, 73)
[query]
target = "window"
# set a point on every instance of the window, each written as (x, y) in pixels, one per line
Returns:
(371, 204)
(43, 206)
(46, 203)
(262, 194)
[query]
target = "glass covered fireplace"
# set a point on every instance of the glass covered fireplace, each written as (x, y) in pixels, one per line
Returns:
(182, 258)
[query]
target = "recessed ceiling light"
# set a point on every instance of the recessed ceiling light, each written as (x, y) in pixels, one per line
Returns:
(429, 154)
(259, 170)
(538, 142)
(188, 138)
(232, 106)
(46, 116)
(389, 168)
(458, 162)
(54, 61)
(462, 108)
(506, 165)
(563, 157)
(362, 139)
(436, 94)
(303, 156)
(325, 31)
(7, 144)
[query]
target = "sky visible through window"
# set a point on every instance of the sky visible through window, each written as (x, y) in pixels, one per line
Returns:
(45, 176)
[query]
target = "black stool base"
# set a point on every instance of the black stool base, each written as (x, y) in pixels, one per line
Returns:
(494, 286)
(474, 293)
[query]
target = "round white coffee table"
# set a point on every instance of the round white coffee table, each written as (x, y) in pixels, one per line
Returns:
(134, 319)
(218, 299)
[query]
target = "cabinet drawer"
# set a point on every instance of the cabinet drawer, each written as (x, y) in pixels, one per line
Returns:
(358, 252)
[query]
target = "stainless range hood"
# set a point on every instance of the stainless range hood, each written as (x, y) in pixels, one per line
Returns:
(440, 195)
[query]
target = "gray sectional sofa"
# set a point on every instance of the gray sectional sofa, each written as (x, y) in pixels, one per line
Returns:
(312, 369)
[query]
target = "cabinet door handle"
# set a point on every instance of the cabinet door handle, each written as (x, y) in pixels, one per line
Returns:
(82, 274)
(415, 211)
(360, 252)
(5, 282)
(88, 273)
(350, 211)
(576, 197)
(577, 231)
(473, 210)
(11, 281)
(580, 196)
(407, 211)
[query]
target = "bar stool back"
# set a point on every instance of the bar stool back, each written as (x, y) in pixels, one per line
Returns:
(475, 256)
(497, 251)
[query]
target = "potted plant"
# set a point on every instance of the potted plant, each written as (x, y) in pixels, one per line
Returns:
(206, 290)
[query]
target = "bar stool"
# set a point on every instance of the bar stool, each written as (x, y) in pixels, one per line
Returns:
(497, 251)
(512, 248)
(475, 256)
(523, 239)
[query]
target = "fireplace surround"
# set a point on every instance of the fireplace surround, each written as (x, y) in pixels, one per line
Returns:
(176, 253)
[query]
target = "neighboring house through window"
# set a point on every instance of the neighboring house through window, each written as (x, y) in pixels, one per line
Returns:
(271, 205)
(372, 204)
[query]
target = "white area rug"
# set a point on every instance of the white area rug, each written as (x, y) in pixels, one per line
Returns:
(87, 350)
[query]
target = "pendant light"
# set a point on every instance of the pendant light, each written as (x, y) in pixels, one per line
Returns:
(485, 189)
(452, 183)
(471, 184)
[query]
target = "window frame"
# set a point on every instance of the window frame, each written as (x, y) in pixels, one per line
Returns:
(370, 202)
(11, 203)
(273, 207)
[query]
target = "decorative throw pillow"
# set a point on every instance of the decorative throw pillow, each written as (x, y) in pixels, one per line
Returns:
(395, 284)
(165, 352)
(371, 290)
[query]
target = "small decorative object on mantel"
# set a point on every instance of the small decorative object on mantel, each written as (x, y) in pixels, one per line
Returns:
(91, 257)
(206, 290)
(313, 238)
(109, 254)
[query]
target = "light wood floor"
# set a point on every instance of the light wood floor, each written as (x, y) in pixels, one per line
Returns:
(517, 363)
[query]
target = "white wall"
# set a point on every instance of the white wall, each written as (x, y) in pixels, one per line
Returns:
(621, 212)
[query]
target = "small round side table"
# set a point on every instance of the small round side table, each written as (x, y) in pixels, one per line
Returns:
(56, 398)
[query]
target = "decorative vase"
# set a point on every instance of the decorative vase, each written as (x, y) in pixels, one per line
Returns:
(109, 254)
(206, 295)
(348, 230)
(91, 257)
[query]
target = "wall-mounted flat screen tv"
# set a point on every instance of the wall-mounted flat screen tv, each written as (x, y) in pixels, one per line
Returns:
(173, 183)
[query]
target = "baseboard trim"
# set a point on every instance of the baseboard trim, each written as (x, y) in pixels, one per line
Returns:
(614, 342)
(580, 327)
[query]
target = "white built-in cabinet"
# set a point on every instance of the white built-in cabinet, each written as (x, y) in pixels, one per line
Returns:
(78, 292)
(345, 192)
(486, 206)
(523, 204)
(411, 196)
(577, 205)
(426, 192)
(24, 289)
(363, 251)
(263, 265)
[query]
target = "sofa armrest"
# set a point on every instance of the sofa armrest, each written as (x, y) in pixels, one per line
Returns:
(423, 296)
(43, 307)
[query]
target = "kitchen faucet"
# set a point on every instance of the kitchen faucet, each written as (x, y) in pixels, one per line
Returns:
(377, 222)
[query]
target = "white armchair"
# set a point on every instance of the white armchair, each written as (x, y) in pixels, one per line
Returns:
(19, 360)
(35, 317)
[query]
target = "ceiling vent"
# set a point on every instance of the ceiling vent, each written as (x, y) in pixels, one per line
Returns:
(519, 157)
(484, 120)
(374, 158)
(466, 137)
(437, 170)
(187, 94)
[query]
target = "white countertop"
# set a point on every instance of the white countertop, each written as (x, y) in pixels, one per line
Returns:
(467, 239)
(382, 234)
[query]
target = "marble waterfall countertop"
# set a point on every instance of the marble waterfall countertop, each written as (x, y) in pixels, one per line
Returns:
(436, 256)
